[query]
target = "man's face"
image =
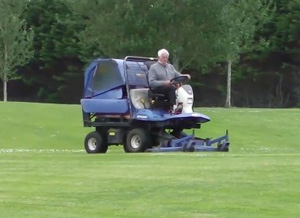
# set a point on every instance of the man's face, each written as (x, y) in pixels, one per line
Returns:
(163, 58)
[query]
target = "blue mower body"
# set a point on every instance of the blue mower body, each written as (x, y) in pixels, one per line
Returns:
(119, 104)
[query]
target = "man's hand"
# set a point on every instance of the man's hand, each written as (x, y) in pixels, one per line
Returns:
(187, 75)
(168, 83)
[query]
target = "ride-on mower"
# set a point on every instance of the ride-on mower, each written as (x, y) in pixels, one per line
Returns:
(119, 104)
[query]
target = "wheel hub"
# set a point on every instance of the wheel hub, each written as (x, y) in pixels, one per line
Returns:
(135, 142)
(92, 144)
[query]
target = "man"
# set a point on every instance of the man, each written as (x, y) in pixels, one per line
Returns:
(160, 75)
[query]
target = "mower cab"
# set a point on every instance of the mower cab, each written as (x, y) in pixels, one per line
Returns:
(119, 104)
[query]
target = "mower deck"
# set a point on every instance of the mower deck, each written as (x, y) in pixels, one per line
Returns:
(190, 144)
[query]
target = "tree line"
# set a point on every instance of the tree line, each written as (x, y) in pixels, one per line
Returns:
(242, 53)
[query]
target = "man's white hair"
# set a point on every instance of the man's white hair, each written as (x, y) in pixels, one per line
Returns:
(162, 51)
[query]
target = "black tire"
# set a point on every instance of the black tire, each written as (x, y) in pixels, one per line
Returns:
(223, 147)
(95, 142)
(137, 140)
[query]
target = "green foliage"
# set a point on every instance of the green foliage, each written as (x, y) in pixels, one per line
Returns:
(15, 40)
(239, 22)
(55, 30)
(262, 36)
(187, 28)
(57, 49)
(275, 68)
(118, 29)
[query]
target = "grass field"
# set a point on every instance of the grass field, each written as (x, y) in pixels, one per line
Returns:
(45, 171)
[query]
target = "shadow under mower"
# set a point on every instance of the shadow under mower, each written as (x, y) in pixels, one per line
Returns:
(119, 104)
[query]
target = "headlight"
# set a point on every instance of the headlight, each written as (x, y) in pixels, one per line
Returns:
(190, 101)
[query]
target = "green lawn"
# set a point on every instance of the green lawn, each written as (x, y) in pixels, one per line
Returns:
(45, 171)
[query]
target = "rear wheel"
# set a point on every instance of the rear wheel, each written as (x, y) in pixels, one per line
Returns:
(95, 142)
(137, 140)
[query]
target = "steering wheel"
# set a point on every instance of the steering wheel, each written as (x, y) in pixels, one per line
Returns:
(179, 79)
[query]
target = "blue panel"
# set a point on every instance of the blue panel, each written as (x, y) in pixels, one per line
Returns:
(137, 74)
(195, 116)
(105, 106)
(157, 115)
(111, 94)
(103, 75)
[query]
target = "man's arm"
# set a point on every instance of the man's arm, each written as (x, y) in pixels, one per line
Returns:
(179, 74)
(175, 71)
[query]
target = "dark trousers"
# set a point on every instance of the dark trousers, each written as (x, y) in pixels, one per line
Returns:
(169, 91)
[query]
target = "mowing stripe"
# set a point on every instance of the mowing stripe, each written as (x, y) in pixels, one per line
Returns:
(39, 151)
(197, 154)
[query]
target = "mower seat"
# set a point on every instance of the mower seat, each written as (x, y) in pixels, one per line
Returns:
(159, 100)
(140, 98)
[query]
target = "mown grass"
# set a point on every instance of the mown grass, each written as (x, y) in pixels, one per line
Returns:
(45, 171)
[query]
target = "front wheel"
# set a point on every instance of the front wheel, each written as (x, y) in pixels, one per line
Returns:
(223, 147)
(137, 140)
(95, 143)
